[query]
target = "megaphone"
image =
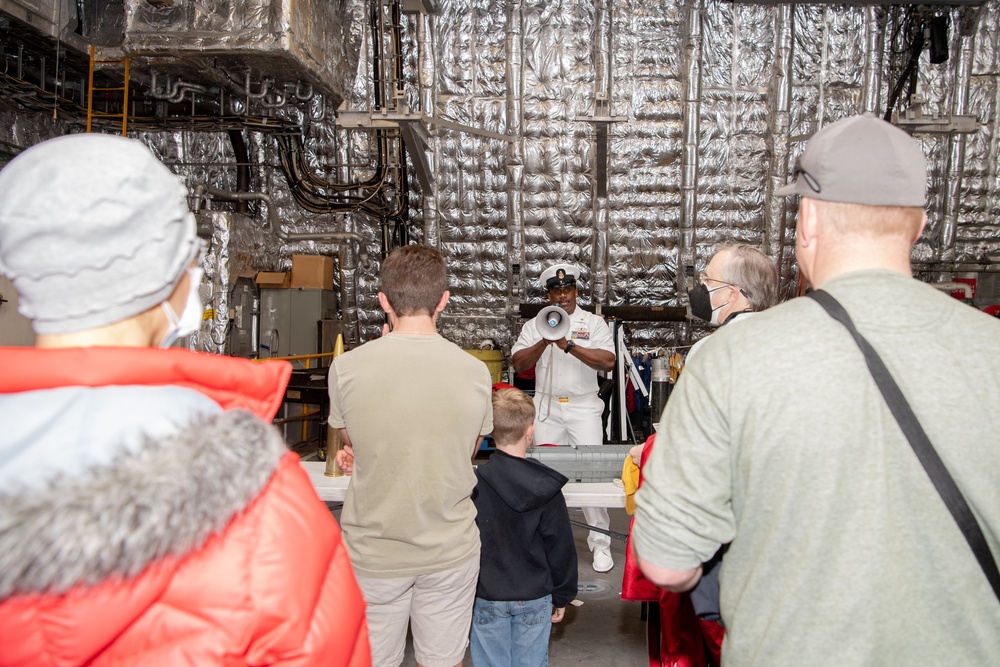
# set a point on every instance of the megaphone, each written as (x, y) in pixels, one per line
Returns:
(552, 322)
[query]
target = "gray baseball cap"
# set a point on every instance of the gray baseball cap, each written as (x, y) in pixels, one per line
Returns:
(861, 160)
(93, 230)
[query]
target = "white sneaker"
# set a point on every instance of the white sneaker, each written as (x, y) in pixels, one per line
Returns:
(602, 559)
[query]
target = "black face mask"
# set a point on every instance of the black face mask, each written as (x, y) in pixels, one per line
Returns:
(701, 302)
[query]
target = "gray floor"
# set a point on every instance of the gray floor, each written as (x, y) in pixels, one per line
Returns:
(603, 630)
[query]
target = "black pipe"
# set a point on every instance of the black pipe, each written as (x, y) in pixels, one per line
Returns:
(610, 533)
(242, 167)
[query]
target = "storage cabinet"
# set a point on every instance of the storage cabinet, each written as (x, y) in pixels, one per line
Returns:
(290, 322)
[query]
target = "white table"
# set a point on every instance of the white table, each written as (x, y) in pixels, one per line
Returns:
(577, 494)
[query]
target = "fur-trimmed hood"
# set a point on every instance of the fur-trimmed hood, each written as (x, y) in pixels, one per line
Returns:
(199, 542)
(164, 500)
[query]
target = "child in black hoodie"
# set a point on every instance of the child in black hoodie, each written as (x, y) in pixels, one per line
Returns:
(528, 565)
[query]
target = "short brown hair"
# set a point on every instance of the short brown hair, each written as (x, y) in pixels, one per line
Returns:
(513, 413)
(413, 278)
(871, 221)
(753, 272)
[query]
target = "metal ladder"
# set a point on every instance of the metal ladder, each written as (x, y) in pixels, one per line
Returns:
(124, 61)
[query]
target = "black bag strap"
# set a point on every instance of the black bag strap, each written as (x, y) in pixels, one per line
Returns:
(921, 444)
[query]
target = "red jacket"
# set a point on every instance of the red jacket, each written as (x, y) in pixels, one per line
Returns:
(177, 565)
(675, 636)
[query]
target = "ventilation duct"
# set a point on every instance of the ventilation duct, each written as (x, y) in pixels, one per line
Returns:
(270, 50)
(53, 18)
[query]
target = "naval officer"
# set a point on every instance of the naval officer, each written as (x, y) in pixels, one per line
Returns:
(567, 407)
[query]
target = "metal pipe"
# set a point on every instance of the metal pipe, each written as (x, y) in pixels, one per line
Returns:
(602, 52)
(239, 146)
(874, 36)
(602, 107)
(962, 74)
(775, 227)
(689, 165)
(349, 295)
(950, 286)
(428, 101)
(265, 88)
(515, 153)
(171, 91)
(189, 88)
(203, 192)
(305, 95)
(176, 92)
(279, 101)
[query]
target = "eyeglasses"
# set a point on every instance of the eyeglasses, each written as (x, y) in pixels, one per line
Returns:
(808, 178)
(702, 278)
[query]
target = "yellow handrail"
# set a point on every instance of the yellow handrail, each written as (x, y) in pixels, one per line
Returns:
(300, 357)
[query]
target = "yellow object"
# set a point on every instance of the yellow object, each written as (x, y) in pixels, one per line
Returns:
(676, 364)
(630, 478)
(493, 360)
(338, 346)
(333, 445)
(123, 89)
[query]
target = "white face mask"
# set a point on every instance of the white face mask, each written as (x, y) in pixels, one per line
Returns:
(190, 319)
(718, 309)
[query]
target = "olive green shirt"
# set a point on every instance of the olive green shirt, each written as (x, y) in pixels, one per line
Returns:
(777, 440)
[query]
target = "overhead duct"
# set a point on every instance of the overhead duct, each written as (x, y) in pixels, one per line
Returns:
(53, 18)
(274, 51)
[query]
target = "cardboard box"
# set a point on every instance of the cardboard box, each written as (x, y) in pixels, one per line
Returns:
(312, 271)
(273, 279)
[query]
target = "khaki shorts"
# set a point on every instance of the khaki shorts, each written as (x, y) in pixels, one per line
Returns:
(438, 607)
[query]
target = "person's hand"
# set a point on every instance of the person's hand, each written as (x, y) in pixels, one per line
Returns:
(636, 454)
(345, 459)
(558, 613)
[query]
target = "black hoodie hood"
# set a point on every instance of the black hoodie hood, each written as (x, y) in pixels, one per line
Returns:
(523, 484)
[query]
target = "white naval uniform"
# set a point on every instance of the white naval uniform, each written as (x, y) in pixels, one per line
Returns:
(567, 408)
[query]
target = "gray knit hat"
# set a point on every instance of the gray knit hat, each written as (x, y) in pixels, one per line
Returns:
(861, 160)
(93, 230)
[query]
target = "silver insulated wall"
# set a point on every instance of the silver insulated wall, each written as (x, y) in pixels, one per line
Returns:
(642, 135)
(628, 137)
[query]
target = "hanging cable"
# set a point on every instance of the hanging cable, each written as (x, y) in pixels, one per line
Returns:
(910, 31)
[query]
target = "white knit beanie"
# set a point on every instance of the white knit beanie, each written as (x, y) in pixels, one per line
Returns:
(93, 230)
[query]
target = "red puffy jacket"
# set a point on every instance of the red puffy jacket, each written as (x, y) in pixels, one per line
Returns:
(160, 559)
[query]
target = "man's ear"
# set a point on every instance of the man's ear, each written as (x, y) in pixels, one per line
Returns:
(443, 302)
(530, 434)
(383, 302)
(806, 228)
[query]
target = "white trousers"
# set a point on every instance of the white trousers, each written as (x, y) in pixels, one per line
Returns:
(575, 422)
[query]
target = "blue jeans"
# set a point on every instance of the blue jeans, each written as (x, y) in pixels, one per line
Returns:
(511, 634)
